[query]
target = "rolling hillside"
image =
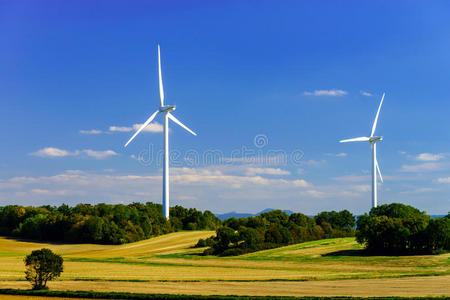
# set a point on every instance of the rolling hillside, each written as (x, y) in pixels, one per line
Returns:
(169, 264)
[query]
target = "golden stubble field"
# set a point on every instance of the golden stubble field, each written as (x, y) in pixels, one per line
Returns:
(168, 264)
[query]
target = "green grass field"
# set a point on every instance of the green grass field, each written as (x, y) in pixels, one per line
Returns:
(168, 264)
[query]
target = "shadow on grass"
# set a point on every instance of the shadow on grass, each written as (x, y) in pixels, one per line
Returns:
(19, 239)
(353, 252)
(365, 253)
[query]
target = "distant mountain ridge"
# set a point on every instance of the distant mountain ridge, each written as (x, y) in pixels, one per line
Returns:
(234, 214)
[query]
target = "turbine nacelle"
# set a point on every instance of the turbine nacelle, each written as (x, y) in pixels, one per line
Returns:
(375, 139)
(167, 108)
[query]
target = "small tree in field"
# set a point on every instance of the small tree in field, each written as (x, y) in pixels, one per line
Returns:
(41, 266)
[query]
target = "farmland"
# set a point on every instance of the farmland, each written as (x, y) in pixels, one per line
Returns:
(169, 264)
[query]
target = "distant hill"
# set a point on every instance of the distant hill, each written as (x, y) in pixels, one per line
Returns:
(437, 216)
(234, 214)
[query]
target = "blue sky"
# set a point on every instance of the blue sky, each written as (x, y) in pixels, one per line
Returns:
(77, 76)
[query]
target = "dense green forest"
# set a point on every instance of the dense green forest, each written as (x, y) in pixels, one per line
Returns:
(275, 229)
(402, 229)
(387, 229)
(101, 223)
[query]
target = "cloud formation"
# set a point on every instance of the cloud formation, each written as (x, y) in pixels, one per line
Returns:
(331, 93)
(53, 152)
(50, 152)
(342, 154)
(99, 154)
(425, 167)
(268, 171)
(353, 178)
(153, 127)
(367, 94)
(120, 129)
(443, 180)
(429, 157)
(92, 131)
(219, 188)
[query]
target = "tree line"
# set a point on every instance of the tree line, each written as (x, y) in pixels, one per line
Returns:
(101, 223)
(387, 229)
(275, 229)
(402, 229)
(395, 228)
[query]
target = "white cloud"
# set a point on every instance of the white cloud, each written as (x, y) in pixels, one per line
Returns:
(152, 127)
(44, 192)
(419, 191)
(219, 188)
(342, 154)
(425, 167)
(331, 93)
(313, 193)
(352, 178)
(99, 154)
(120, 129)
(312, 162)
(209, 185)
(301, 183)
(367, 94)
(443, 180)
(281, 159)
(361, 188)
(429, 157)
(55, 152)
(92, 131)
(268, 171)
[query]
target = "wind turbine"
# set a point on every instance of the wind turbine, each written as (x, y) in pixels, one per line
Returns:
(373, 144)
(165, 111)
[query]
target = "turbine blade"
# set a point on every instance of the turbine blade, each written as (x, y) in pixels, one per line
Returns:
(378, 169)
(143, 126)
(161, 88)
(179, 123)
(358, 139)
(374, 126)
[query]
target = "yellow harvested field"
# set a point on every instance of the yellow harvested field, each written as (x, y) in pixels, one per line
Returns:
(168, 243)
(407, 287)
(169, 264)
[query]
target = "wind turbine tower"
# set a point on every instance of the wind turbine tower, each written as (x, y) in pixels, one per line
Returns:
(373, 144)
(165, 110)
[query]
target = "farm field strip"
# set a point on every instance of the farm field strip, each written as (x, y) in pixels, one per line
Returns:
(410, 287)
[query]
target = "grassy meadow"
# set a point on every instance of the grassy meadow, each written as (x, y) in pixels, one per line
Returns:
(169, 264)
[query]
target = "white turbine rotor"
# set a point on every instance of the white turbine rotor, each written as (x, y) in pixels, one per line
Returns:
(358, 139)
(179, 123)
(161, 88)
(143, 126)
(374, 126)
